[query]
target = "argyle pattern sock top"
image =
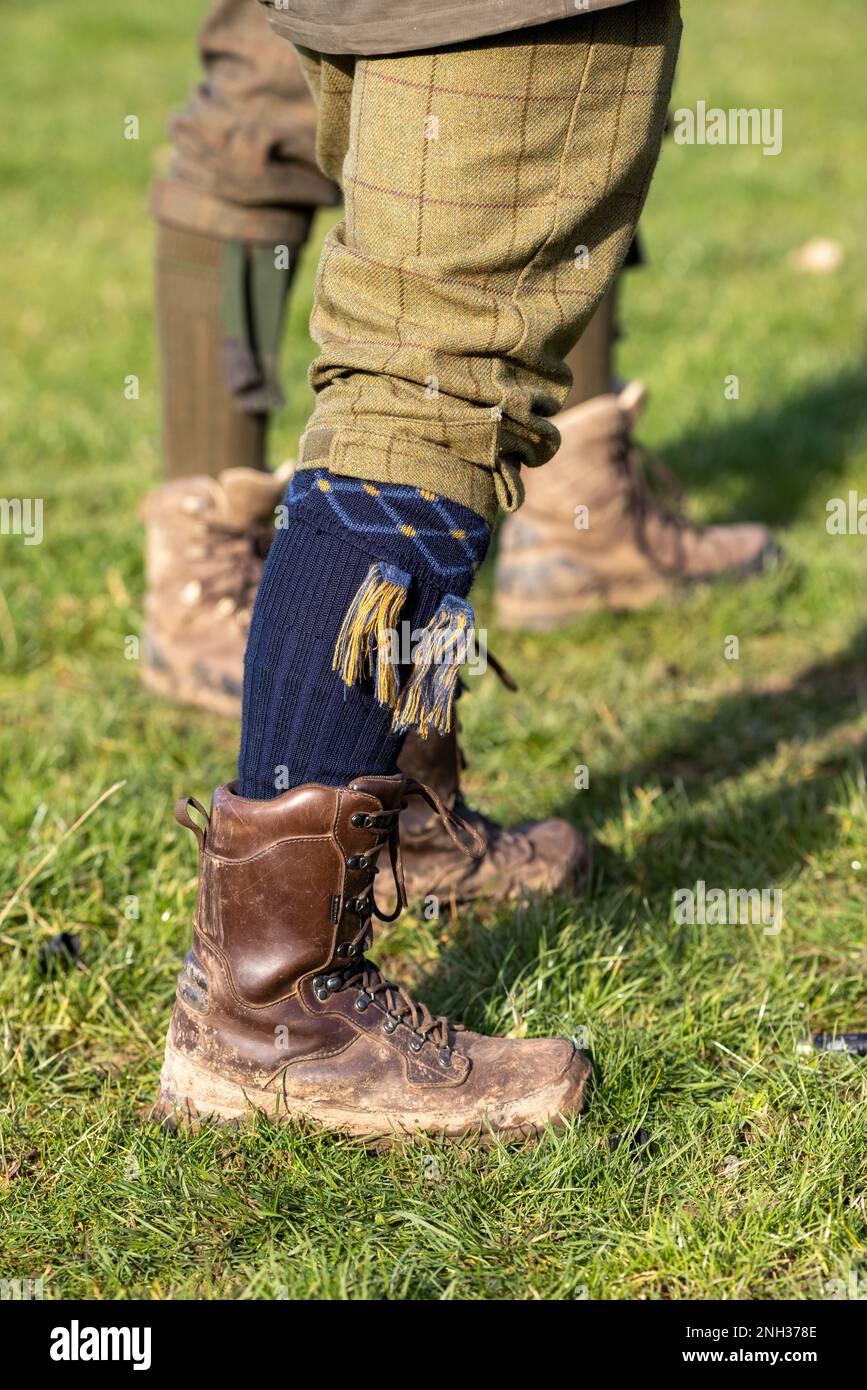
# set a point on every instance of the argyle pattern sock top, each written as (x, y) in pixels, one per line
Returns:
(450, 540)
(302, 722)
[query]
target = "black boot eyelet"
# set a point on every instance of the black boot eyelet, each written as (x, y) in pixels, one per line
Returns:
(416, 1044)
(389, 1025)
(362, 1002)
(445, 1057)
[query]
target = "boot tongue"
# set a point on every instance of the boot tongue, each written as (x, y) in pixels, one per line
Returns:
(250, 496)
(435, 761)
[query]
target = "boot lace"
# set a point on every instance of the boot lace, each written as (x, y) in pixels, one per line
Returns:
(361, 974)
(653, 492)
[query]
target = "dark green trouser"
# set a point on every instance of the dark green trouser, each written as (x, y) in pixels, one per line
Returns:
(244, 161)
(242, 182)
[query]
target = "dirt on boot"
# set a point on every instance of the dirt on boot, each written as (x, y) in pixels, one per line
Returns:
(279, 1010)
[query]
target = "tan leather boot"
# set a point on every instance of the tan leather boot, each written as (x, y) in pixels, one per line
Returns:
(279, 1010)
(627, 551)
(545, 856)
(206, 544)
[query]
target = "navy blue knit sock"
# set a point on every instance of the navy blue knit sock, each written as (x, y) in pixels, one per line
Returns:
(301, 722)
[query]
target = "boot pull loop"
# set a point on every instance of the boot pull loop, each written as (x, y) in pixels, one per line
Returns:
(182, 816)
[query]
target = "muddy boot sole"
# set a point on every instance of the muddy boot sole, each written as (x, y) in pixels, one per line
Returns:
(191, 1095)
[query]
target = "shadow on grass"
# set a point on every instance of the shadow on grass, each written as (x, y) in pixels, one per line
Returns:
(746, 840)
(776, 455)
(774, 831)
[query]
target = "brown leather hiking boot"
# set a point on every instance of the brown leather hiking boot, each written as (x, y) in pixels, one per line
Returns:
(206, 544)
(279, 1010)
(534, 857)
(630, 551)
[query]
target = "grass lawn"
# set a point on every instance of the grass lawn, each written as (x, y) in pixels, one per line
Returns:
(744, 773)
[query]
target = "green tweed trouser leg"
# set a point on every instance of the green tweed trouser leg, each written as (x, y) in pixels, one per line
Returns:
(491, 193)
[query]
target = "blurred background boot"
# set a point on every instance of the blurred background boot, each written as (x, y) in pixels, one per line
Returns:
(207, 539)
(601, 526)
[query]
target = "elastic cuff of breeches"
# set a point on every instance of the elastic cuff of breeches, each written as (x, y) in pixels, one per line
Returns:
(182, 205)
(382, 456)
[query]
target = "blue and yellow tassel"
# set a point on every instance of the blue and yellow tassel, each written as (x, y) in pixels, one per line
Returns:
(366, 644)
(426, 701)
